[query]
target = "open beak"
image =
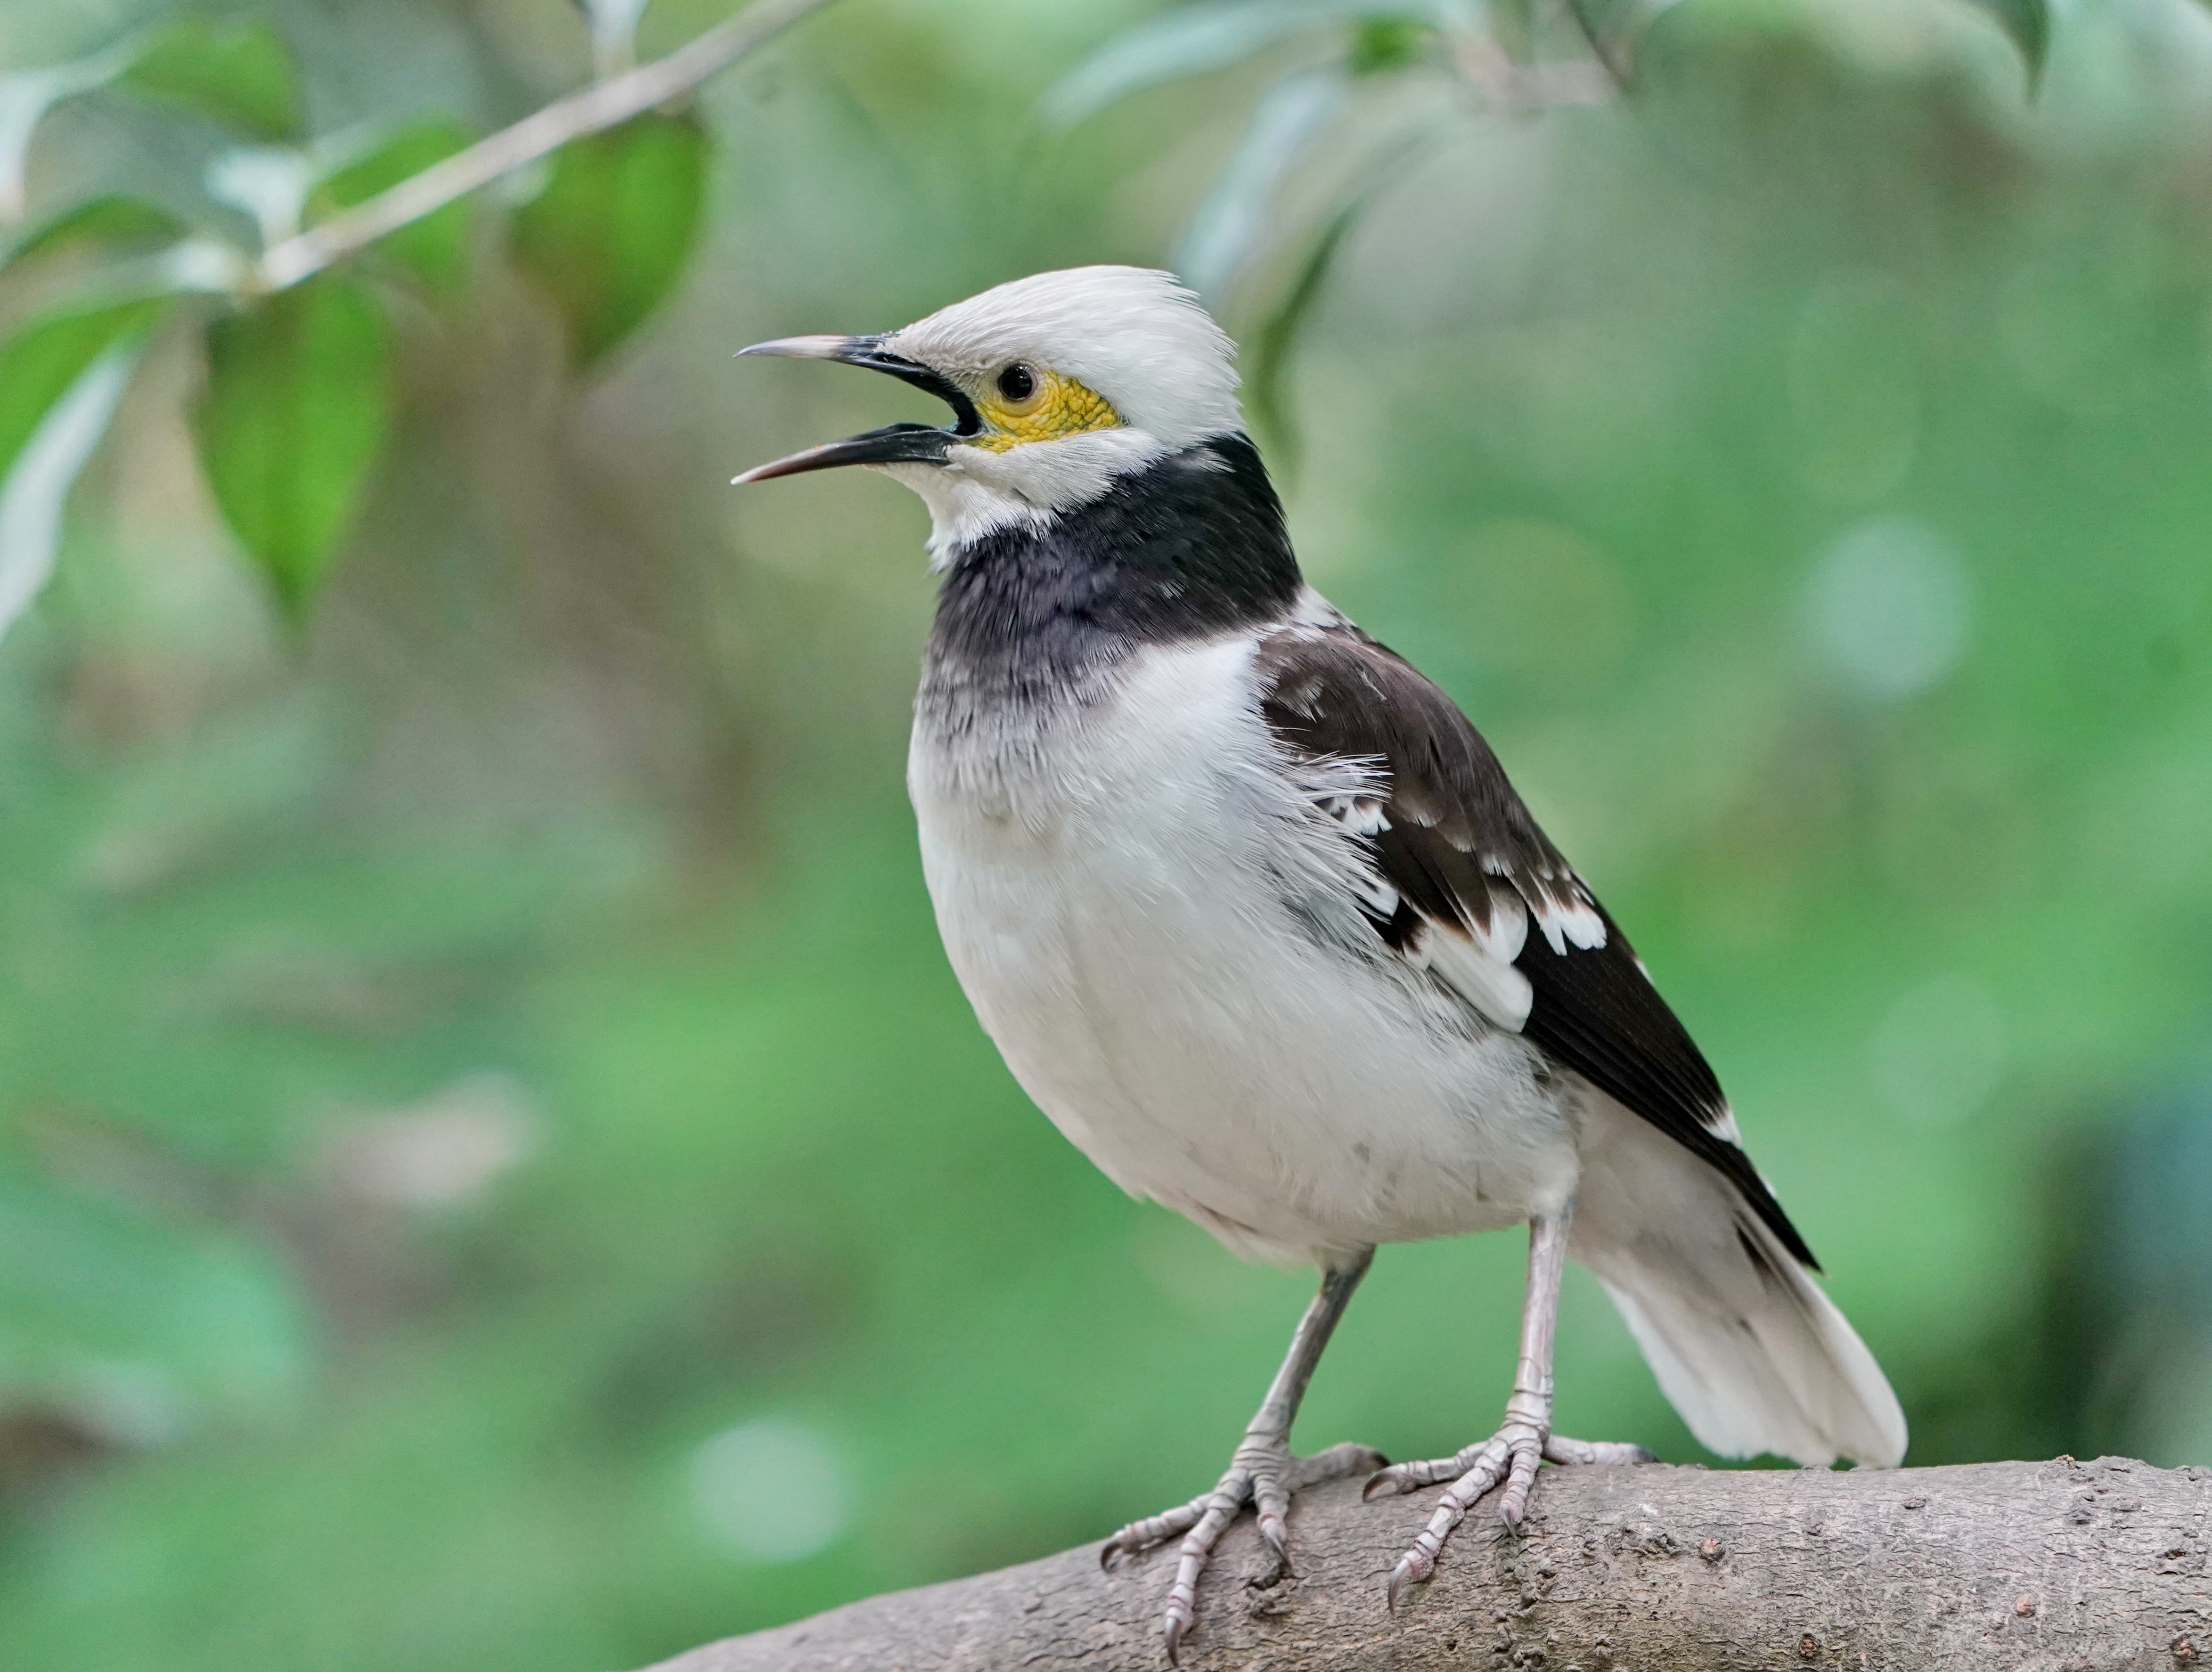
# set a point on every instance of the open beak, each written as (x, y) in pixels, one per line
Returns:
(894, 444)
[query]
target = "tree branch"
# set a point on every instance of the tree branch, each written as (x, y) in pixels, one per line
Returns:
(2091, 1567)
(603, 105)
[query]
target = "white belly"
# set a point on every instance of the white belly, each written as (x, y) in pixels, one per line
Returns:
(1112, 892)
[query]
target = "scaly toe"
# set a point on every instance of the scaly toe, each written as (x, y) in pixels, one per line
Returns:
(1520, 1481)
(1409, 1571)
(1263, 1475)
(1510, 1456)
(1271, 1506)
(1158, 1529)
(1412, 1477)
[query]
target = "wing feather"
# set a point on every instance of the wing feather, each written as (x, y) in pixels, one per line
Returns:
(1477, 893)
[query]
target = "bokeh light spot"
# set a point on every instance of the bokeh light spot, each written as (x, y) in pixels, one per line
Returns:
(771, 1490)
(1941, 1051)
(1890, 607)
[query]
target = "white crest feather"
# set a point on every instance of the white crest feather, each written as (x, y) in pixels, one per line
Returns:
(1134, 335)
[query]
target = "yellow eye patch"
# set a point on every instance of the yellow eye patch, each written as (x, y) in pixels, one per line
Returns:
(1055, 406)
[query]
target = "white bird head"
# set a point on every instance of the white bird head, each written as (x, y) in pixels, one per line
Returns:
(1059, 383)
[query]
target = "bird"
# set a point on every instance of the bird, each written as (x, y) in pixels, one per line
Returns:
(1255, 915)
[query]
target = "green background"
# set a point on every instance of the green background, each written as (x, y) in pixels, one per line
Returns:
(461, 1063)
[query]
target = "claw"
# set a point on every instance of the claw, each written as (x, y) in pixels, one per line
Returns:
(1271, 1497)
(1509, 1458)
(1400, 1576)
(1513, 1506)
(1262, 1477)
(1140, 1535)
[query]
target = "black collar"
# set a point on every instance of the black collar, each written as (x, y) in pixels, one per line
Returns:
(1191, 546)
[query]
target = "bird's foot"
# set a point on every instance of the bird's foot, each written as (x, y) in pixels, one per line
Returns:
(1262, 1473)
(1510, 1456)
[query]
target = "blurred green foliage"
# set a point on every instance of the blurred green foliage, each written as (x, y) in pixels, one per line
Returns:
(291, 422)
(240, 74)
(433, 250)
(494, 1169)
(610, 233)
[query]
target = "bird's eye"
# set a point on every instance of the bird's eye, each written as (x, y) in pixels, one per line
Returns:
(1017, 385)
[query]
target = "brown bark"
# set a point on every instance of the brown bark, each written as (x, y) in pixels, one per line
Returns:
(2001, 1567)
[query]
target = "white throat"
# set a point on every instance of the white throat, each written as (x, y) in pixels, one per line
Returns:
(976, 491)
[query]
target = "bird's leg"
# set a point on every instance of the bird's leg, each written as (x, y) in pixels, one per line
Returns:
(1263, 1473)
(1512, 1453)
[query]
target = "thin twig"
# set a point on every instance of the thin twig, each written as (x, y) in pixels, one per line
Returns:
(601, 105)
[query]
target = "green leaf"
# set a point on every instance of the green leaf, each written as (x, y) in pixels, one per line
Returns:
(25, 98)
(1193, 40)
(1271, 352)
(1189, 40)
(1380, 45)
(296, 411)
(1231, 224)
(38, 365)
(2026, 24)
(241, 75)
(1615, 30)
(113, 223)
(433, 250)
(59, 383)
(608, 236)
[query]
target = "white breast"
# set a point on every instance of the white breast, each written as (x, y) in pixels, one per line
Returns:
(1157, 925)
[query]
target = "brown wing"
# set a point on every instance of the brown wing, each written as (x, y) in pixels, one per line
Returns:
(1447, 829)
